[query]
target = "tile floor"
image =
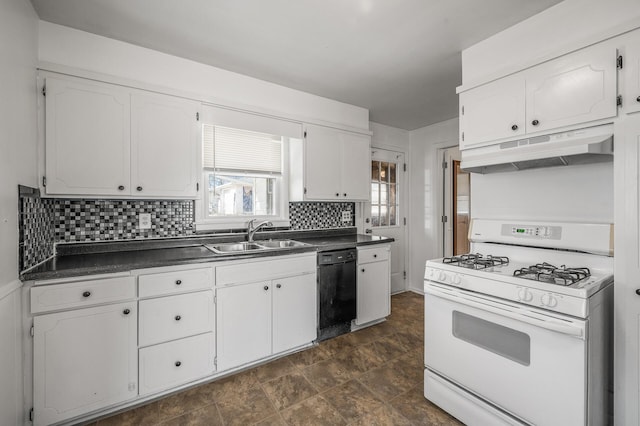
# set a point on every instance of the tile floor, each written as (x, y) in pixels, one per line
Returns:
(370, 377)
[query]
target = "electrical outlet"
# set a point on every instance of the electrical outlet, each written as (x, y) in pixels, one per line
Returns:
(346, 216)
(144, 221)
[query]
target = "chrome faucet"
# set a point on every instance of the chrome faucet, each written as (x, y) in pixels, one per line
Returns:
(252, 229)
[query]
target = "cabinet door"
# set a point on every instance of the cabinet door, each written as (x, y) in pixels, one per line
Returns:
(631, 71)
(356, 166)
(573, 89)
(243, 318)
(491, 112)
(295, 308)
(627, 270)
(87, 138)
(322, 163)
(374, 291)
(84, 360)
(164, 146)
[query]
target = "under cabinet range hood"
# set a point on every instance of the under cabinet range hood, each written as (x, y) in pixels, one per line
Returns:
(582, 146)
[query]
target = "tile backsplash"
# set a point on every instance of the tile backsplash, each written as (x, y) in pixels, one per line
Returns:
(46, 221)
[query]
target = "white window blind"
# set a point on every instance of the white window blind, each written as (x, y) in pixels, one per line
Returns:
(235, 150)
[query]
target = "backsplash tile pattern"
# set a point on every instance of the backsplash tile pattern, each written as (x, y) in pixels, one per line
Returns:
(37, 233)
(320, 215)
(106, 220)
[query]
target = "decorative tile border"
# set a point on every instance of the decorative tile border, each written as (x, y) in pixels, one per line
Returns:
(320, 215)
(37, 234)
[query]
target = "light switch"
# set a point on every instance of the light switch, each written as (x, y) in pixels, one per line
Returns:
(144, 221)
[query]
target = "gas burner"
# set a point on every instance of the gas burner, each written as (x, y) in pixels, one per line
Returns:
(548, 273)
(476, 261)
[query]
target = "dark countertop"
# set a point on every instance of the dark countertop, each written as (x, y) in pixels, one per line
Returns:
(79, 259)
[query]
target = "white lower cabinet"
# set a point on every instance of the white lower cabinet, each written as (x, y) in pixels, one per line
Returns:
(294, 312)
(84, 360)
(373, 284)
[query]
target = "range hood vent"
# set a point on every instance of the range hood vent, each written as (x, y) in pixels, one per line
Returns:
(583, 146)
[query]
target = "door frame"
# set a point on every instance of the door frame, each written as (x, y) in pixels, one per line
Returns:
(404, 205)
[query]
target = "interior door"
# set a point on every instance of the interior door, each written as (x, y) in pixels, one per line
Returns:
(456, 202)
(387, 213)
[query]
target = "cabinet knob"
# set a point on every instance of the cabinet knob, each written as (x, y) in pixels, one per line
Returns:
(514, 127)
(126, 311)
(86, 294)
(266, 287)
(178, 282)
(362, 269)
(535, 122)
(139, 188)
(178, 317)
(337, 194)
(178, 363)
(375, 255)
(279, 285)
(345, 194)
(121, 188)
(638, 292)
(638, 99)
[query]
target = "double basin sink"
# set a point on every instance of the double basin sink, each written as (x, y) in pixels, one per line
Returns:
(253, 246)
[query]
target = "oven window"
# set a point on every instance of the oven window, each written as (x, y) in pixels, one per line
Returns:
(506, 342)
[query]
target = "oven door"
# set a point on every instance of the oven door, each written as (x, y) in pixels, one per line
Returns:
(530, 363)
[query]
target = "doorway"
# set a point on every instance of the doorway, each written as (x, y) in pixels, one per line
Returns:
(456, 204)
(387, 212)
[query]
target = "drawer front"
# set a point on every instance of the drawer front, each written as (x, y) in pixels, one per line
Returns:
(170, 364)
(82, 293)
(270, 268)
(175, 282)
(175, 317)
(374, 254)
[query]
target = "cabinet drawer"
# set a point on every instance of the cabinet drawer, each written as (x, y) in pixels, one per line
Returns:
(373, 254)
(265, 269)
(170, 364)
(81, 293)
(175, 282)
(174, 317)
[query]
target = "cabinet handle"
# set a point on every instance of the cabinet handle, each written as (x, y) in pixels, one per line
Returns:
(535, 122)
(362, 269)
(638, 292)
(514, 127)
(86, 294)
(126, 311)
(139, 188)
(121, 188)
(178, 363)
(178, 282)
(266, 287)
(279, 285)
(178, 317)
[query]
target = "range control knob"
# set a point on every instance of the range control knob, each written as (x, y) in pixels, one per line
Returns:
(525, 295)
(457, 279)
(549, 300)
(442, 276)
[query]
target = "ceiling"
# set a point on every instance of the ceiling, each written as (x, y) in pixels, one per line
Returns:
(398, 58)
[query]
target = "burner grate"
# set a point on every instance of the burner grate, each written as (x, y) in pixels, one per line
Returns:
(476, 261)
(549, 273)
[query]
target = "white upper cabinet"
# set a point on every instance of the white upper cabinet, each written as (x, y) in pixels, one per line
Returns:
(330, 165)
(107, 140)
(87, 138)
(574, 89)
(493, 111)
(631, 70)
(164, 146)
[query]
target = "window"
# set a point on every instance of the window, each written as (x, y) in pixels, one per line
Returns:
(384, 199)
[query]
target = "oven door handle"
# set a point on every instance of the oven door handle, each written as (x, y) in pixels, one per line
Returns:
(547, 323)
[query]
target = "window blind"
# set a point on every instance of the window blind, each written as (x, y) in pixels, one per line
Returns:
(235, 150)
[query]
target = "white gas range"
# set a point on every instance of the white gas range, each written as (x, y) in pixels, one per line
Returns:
(519, 330)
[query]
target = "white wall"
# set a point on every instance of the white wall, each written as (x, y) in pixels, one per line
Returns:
(425, 175)
(389, 137)
(78, 49)
(18, 53)
(565, 27)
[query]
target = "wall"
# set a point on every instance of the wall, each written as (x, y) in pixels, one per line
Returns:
(425, 210)
(565, 27)
(18, 50)
(79, 49)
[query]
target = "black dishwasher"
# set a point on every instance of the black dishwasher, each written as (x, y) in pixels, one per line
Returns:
(336, 292)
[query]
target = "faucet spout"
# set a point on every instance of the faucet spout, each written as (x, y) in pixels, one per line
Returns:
(252, 228)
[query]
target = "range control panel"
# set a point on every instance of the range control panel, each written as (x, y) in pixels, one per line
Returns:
(529, 231)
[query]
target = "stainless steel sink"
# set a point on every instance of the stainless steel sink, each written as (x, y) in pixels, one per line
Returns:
(244, 247)
(281, 243)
